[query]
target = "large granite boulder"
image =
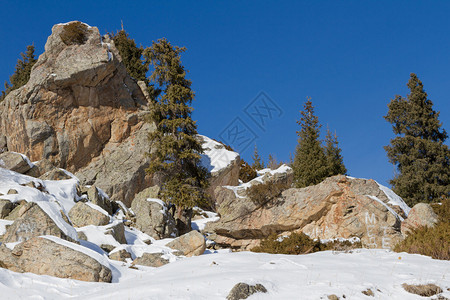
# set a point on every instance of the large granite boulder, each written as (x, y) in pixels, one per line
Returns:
(32, 221)
(153, 217)
(422, 214)
(42, 256)
(190, 244)
(84, 214)
(339, 207)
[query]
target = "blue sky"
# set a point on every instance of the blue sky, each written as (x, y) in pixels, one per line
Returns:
(350, 57)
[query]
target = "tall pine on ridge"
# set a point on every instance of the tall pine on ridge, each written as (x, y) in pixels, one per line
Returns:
(258, 163)
(131, 55)
(22, 73)
(419, 153)
(176, 149)
(335, 162)
(310, 166)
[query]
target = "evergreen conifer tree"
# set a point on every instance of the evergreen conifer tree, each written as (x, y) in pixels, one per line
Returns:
(310, 165)
(419, 153)
(22, 72)
(131, 55)
(258, 163)
(175, 147)
(335, 163)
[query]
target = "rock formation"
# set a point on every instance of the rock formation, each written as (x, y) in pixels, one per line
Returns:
(339, 207)
(84, 113)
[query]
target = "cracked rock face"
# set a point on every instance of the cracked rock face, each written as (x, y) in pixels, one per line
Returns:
(82, 112)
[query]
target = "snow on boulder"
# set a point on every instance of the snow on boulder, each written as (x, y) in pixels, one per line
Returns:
(222, 163)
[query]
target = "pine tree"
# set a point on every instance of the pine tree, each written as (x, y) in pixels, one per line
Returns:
(22, 73)
(175, 147)
(419, 153)
(258, 163)
(273, 164)
(131, 55)
(335, 162)
(310, 165)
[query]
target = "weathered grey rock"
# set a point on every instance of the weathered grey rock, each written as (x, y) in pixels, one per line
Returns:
(14, 162)
(32, 221)
(82, 214)
(339, 207)
(153, 217)
(190, 244)
(44, 257)
(12, 192)
(120, 255)
(118, 232)
(55, 174)
(421, 214)
(243, 291)
(6, 207)
(151, 260)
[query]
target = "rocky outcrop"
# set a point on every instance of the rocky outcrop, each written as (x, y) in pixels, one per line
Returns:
(339, 207)
(422, 214)
(32, 221)
(190, 244)
(42, 256)
(83, 214)
(153, 217)
(84, 113)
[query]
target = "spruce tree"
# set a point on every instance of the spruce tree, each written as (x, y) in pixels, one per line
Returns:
(175, 147)
(131, 55)
(258, 163)
(335, 162)
(310, 165)
(419, 153)
(22, 72)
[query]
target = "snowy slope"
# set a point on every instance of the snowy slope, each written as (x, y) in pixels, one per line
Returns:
(211, 276)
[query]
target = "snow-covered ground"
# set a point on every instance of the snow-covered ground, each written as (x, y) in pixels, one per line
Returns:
(212, 276)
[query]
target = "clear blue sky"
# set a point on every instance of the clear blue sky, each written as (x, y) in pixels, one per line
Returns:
(350, 57)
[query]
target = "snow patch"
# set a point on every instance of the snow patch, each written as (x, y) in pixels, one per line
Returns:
(387, 206)
(394, 199)
(216, 157)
